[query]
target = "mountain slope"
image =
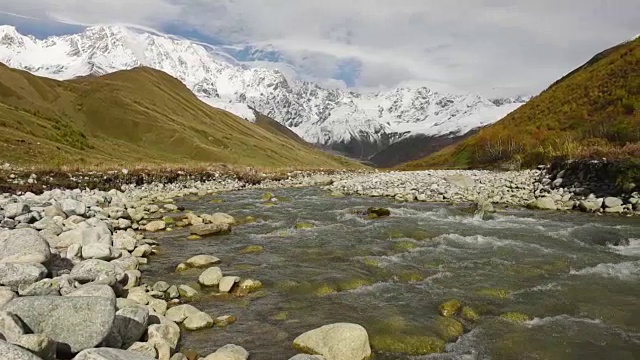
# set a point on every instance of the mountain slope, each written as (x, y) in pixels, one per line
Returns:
(593, 111)
(357, 124)
(133, 116)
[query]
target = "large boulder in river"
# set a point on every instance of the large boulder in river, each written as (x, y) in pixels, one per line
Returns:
(341, 341)
(111, 354)
(14, 275)
(75, 323)
(23, 246)
(210, 229)
(14, 352)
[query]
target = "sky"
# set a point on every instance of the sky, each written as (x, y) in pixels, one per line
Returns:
(490, 47)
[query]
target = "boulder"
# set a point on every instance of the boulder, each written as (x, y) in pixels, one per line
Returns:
(90, 290)
(461, 181)
(143, 348)
(45, 287)
(219, 218)
(75, 323)
(198, 321)
(227, 283)
(14, 275)
(122, 240)
(94, 269)
(53, 211)
(229, 352)
(160, 286)
(156, 225)
(202, 261)
(11, 211)
(341, 341)
(179, 313)
(307, 357)
(38, 344)
(142, 251)
(187, 291)
(210, 277)
(6, 295)
(73, 207)
(84, 236)
(23, 246)
(10, 326)
(612, 202)
(97, 251)
(589, 206)
(164, 333)
(210, 229)
(14, 352)
(111, 354)
(131, 323)
(545, 203)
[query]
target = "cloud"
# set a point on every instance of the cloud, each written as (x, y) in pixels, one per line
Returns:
(494, 47)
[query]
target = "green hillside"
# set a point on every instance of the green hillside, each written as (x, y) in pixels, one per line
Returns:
(592, 112)
(133, 117)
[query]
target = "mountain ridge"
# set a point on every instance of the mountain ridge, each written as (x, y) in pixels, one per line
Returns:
(330, 117)
(593, 112)
(137, 116)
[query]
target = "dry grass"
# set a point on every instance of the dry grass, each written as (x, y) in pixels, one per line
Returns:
(593, 111)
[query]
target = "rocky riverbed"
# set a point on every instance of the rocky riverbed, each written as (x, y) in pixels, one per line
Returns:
(71, 285)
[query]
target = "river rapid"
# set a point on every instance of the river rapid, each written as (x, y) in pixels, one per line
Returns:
(575, 276)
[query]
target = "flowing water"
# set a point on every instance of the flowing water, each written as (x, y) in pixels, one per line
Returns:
(391, 274)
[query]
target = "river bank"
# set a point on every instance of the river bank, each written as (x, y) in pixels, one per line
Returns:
(70, 255)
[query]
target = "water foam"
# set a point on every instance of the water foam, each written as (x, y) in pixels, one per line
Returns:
(629, 270)
(633, 249)
(560, 318)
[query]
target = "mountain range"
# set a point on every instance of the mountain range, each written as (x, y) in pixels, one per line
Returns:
(138, 117)
(593, 112)
(361, 125)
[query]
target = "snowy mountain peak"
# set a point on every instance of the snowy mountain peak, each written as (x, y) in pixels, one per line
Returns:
(319, 115)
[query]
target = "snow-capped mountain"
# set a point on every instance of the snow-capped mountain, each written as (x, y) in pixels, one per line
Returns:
(319, 115)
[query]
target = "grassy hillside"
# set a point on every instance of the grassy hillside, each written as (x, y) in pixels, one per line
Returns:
(139, 116)
(594, 111)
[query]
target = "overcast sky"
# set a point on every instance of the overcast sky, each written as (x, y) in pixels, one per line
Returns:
(494, 47)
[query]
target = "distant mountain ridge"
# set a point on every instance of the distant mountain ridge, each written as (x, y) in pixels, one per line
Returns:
(358, 124)
(137, 117)
(593, 112)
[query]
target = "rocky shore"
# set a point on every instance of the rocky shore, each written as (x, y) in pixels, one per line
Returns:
(70, 287)
(536, 189)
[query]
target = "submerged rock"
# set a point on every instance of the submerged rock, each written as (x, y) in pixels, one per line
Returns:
(450, 308)
(374, 212)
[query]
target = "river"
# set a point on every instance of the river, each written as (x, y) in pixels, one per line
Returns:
(390, 275)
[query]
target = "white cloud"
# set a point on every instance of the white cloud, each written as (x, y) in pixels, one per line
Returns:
(488, 46)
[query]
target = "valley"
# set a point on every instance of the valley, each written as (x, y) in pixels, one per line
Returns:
(163, 197)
